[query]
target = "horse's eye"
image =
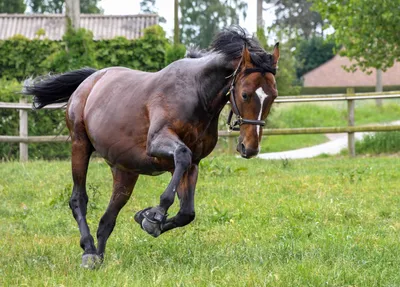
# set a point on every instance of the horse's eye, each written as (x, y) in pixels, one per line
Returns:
(245, 96)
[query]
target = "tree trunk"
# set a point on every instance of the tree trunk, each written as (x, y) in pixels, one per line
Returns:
(72, 13)
(176, 22)
(260, 22)
(379, 87)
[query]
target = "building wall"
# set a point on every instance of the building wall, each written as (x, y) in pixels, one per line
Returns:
(331, 74)
(102, 26)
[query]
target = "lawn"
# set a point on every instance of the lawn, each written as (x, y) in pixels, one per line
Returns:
(320, 222)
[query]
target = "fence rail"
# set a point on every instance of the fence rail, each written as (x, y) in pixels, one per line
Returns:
(23, 139)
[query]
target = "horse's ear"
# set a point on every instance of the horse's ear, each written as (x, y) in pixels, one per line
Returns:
(276, 54)
(246, 57)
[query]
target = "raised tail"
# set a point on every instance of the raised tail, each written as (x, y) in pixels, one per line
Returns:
(52, 89)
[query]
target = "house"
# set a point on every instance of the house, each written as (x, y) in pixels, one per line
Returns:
(331, 74)
(102, 26)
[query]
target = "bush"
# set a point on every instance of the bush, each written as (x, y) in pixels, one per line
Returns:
(77, 50)
(174, 53)
(21, 58)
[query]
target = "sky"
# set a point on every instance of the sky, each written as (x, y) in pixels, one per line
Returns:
(166, 9)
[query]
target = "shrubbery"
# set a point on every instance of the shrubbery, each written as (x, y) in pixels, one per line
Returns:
(381, 142)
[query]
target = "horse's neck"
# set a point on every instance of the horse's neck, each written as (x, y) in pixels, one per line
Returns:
(214, 79)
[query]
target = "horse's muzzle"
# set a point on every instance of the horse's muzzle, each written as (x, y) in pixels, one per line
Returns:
(247, 152)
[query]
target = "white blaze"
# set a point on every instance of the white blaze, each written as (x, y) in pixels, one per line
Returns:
(262, 96)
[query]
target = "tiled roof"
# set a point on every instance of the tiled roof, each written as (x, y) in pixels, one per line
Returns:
(102, 26)
(331, 74)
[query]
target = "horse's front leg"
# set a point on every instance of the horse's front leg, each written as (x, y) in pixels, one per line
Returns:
(185, 191)
(165, 145)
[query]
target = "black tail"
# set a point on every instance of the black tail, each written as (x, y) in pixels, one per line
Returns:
(52, 89)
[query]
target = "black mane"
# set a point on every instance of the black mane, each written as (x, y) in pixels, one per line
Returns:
(230, 42)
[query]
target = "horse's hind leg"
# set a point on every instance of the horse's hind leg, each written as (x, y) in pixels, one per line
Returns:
(124, 183)
(81, 151)
(185, 192)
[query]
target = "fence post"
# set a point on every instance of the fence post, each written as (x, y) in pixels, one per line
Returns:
(350, 122)
(231, 144)
(23, 131)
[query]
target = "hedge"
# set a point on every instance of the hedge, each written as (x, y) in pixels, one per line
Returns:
(21, 58)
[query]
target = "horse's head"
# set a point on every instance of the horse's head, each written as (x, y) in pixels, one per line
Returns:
(252, 92)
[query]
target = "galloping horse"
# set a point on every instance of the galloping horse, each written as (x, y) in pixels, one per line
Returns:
(150, 123)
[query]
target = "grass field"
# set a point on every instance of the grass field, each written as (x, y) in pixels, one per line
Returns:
(321, 222)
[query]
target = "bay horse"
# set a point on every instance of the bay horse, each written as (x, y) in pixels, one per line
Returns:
(148, 123)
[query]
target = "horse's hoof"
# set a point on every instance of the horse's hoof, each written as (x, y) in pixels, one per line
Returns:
(91, 261)
(152, 228)
(139, 215)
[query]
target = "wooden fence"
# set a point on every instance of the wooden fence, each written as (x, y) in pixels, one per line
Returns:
(23, 139)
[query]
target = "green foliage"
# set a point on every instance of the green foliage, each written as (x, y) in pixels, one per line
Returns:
(21, 58)
(368, 30)
(174, 52)
(150, 49)
(148, 7)
(329, 115)
(378, 143)
(58, 6)
(78, 50)
(45, 122)
(146, 53)
(9, 118)
(12, 6)
(311, 53)
(294, 18)
(201, 20)
(90, 7)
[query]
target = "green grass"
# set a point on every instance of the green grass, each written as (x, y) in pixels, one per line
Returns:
(290, 142)
(321, 222)
(330, 115)
(382, 142)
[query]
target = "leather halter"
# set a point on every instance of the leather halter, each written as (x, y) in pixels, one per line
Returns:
(235, 126)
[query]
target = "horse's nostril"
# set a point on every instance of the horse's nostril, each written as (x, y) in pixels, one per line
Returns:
(243, 149)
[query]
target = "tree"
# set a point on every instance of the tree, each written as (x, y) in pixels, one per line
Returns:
(312, 53)
(12, 6)
(58, 6)
(202, 19)
(368, 30)
(149, 7)
(295, 18)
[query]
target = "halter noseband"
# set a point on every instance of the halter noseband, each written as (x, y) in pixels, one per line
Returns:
(235, 126)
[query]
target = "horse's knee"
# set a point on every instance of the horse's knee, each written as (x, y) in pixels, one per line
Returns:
(183, 156)
(183, 219)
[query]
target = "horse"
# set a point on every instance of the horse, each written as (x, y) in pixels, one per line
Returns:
(145, 123)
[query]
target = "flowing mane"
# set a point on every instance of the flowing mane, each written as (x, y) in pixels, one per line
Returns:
(230, 42)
